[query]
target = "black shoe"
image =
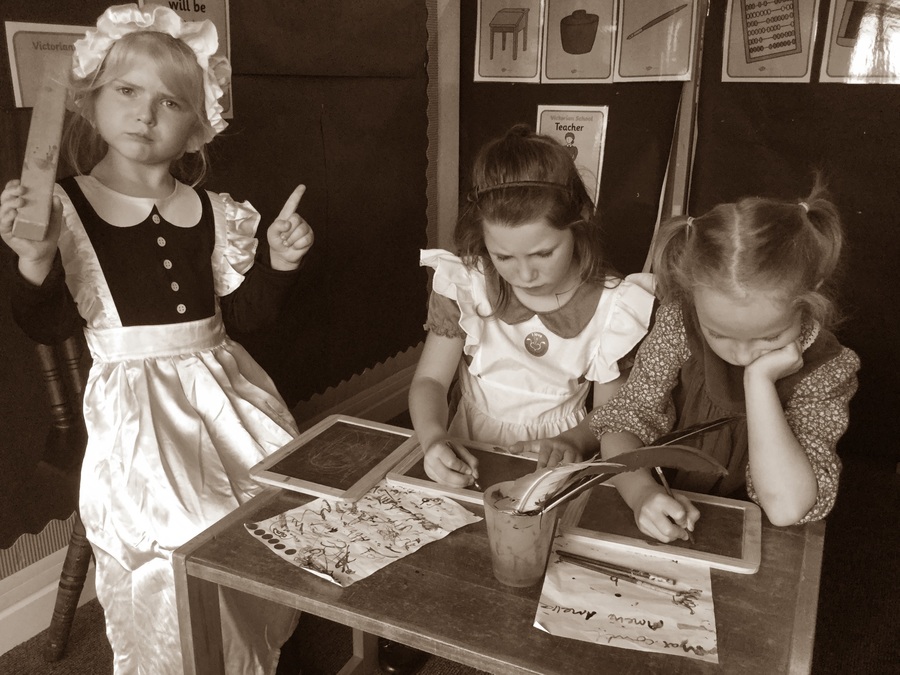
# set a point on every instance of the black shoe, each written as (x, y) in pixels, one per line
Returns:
(398, 659)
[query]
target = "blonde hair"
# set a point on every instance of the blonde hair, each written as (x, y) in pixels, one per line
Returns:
(179, 70)
(793, 247)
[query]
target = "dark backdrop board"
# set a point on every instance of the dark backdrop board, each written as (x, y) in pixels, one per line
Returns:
(767, 139)
(638, 138)
(331, 94)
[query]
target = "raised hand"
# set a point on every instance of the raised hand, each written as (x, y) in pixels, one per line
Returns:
(290, 236)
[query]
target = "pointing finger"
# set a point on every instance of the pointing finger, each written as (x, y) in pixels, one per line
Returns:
(290, 206)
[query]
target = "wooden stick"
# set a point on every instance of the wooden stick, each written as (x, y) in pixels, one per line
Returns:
(42, 152)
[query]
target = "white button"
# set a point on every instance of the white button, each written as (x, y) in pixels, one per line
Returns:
(174, 285)
(161, 241)
(167, 264)
(181, 309)
(155, 219)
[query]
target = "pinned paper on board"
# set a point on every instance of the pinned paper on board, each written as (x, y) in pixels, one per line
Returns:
(582, 131)
(579, 41)
(769, 40)
(345, 542)
(862, 43)
(650, 603)
(508, 41)
(655, 40)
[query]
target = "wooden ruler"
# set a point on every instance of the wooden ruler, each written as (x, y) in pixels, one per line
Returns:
(42, 152)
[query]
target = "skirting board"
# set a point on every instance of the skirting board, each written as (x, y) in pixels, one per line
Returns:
(27, 599)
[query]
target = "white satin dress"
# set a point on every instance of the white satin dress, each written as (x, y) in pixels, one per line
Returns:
(176, 415)
(526, 375)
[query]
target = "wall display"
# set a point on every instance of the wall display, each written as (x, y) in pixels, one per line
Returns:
(769, 40)
(30, 45)
(578, 41)
(508, 42)
(861, 43)
(655, 40)
(582, 129)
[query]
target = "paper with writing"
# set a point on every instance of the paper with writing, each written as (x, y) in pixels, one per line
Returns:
(596, 607)
(344, 542)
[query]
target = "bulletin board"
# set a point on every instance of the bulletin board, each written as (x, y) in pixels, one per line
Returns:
(638, 138)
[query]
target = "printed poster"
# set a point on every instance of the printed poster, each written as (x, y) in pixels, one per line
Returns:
(656, 40)
(582, 130)
(31, 46)
(508, 41)
(862, 43)
(579, 43)
(769, 40)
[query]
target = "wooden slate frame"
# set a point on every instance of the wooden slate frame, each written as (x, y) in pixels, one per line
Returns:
(496, 465)
(294, 467)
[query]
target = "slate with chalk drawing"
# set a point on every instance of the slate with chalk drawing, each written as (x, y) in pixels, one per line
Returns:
(495, 465)
(341, 457)
(727, 535)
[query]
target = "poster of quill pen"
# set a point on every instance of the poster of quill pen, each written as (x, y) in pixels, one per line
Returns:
(603, 608)
(344, 542)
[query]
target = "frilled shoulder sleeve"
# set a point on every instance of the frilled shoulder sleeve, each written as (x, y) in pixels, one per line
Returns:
(236, 243)
(626, 324)
(818, 412)
(643, 405)
(464, 288)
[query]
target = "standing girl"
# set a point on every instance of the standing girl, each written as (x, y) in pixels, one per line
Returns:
(742, 330)
(529, 317)
(176, 412)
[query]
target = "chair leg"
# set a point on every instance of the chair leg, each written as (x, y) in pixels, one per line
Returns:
(71, 583)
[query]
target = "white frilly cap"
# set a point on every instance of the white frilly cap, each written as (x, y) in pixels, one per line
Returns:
(200, 36)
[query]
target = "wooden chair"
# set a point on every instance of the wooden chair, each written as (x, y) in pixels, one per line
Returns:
(64, 373)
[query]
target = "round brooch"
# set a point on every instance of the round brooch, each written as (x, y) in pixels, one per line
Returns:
(536, 344)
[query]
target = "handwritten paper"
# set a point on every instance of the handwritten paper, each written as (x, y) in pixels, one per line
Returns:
(594, 607)
(344, 542)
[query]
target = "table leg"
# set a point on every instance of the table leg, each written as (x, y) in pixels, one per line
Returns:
(200, 624)
(365, 655)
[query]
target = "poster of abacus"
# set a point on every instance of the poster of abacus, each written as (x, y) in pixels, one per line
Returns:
(769, 40)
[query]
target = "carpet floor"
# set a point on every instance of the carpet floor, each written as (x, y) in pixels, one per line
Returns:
(856, 626)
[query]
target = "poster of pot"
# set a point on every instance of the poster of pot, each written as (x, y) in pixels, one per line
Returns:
(582, 130)
(656, 40)
(769, 40)
(861, 42)
(508, 41)
(578, 41)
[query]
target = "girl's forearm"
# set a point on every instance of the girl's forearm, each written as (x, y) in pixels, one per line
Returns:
(35, 271)
(782, 475)
(428, 410)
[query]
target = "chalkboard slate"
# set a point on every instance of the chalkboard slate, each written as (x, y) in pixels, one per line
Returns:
(340, 457)
(494, 466)
(727, 535)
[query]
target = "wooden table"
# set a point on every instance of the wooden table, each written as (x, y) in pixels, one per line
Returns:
(443, 599)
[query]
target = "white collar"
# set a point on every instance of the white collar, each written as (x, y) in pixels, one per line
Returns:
(182, 208)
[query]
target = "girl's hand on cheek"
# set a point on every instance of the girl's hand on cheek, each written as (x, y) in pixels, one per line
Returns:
(777, 363)
(290, 236)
